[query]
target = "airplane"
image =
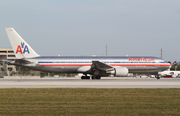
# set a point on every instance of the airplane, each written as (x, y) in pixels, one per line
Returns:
(166, 74)
(96, 66)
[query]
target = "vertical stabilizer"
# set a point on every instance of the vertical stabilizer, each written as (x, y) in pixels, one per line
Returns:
(20, 47)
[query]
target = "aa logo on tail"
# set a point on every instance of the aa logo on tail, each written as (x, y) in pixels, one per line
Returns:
(24, 47)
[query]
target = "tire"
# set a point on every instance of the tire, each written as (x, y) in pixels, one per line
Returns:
(93, 77)
(83, 77)
(158, 77)
(87, 77)
(96, 77)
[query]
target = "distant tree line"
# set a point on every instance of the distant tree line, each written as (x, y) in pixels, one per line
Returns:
(175, 66)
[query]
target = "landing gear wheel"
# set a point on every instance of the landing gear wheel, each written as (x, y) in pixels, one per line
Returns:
(96, 77)
(157, 77)
(85, 77)
(93, 77)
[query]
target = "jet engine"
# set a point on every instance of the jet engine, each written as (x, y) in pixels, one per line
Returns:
(119, 71)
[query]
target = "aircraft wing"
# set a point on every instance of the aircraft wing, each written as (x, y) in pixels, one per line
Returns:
(100, 66)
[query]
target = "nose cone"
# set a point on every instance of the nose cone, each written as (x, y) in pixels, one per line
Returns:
(169, 65)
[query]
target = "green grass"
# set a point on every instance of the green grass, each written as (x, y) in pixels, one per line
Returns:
(69, 101)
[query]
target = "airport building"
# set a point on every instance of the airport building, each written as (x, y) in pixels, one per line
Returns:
(9, 71)
(7, 54)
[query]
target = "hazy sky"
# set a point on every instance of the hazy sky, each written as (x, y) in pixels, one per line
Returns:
(84, 27)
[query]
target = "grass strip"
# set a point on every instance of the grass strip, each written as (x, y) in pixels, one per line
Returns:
(88, 101)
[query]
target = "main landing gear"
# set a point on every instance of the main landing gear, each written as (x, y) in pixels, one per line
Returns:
(157, 76)
(85, 77)
(93, 77)
(96, 77)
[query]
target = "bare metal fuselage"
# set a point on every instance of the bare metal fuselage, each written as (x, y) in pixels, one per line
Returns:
(68, 64)
(97, 66)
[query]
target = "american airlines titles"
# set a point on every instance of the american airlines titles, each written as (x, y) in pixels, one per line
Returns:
(142, 59)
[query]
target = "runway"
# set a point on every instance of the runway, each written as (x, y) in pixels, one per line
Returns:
(103, 83)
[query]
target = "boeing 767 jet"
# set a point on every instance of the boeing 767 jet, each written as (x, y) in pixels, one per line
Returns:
(96, 66)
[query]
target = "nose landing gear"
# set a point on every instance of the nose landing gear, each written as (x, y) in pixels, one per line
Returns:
(157, 77)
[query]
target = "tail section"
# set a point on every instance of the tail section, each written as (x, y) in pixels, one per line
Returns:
(20, 47)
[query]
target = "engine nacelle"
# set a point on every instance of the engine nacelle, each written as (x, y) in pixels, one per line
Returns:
(120, 72)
